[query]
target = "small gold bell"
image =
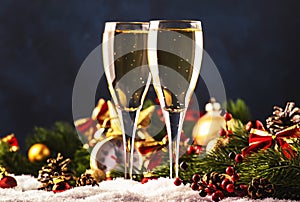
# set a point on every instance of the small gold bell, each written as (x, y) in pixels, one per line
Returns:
(208, 126)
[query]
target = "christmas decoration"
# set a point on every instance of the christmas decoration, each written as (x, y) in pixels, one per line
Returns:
(61, 138)
(60, 184)
(283, 119)
(38, 152)
(86, 179)
(208, 126)
(225, 171)
(5, 180)
(98, 175)
(12, 142)
(108, 155)
(260, 188)
(104, 123)
(220, 185)
(261, 139)
(55, 169)
(177, 181)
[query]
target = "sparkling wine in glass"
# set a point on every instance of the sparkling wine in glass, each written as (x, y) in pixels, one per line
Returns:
(128, 76)
(175, 55)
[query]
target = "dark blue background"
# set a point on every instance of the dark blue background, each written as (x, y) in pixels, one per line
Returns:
(255, 45)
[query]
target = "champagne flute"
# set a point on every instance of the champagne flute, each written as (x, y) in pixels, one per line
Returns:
(128, 76)
(174, 55)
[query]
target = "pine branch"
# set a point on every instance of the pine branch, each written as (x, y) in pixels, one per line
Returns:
(61, 138)
(81, 161)
(239, 110)
(216, 160)
(15, 162)
(284, 173)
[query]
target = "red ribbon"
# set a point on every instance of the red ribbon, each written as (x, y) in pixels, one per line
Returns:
(261, 139)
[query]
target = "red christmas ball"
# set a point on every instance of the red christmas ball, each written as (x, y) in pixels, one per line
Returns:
(8, 182)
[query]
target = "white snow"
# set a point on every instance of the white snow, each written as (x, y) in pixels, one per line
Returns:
(119, 189)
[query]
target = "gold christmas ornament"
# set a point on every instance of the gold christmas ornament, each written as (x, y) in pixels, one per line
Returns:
(208, 126)
(38, 152)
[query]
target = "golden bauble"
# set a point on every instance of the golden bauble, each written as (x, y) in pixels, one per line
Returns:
(38, 152)
(208, 126)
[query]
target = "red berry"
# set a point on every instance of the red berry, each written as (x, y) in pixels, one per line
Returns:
(177, 181)
(220, 194)
(196, 178)
(208, 191)
(239, 158)
(212, 186)
(144, 180)
(222, 132)
(195, 186)
(230, 170)
(243, 186)
(243, 190)
(224, 183)
(227, 116)
(8, 182)
(198, 149)
(230, 188)
(215, 197)
(191, 150)
(235, 177)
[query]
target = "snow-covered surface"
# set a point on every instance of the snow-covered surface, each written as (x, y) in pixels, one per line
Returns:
(161, 189)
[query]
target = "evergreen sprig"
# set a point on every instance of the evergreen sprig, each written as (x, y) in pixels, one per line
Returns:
(239, 110)
(61, 138)
(15, 162)
(81, 161)
(272, 164)
(216, 160)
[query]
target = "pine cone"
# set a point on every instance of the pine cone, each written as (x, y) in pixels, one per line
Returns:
(86, 179)
(260, 188)
(55, 168)
(282, 119)
(214, 178)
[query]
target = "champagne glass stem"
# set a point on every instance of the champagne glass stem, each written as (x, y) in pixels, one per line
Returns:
(129, 126)
(174, 123)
